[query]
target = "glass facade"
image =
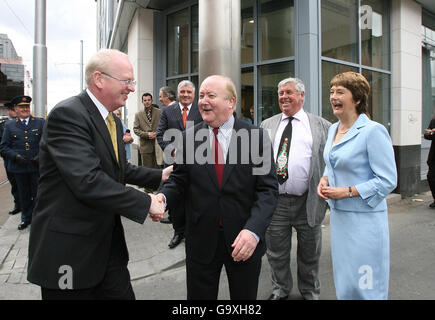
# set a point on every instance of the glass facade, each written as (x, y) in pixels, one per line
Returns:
(267, 54)
(356, 37)
(182, 47)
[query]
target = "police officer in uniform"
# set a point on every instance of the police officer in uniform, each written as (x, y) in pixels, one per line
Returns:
(20, 144)
(14, 189)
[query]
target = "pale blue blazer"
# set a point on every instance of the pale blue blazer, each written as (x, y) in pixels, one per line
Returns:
(363, 158)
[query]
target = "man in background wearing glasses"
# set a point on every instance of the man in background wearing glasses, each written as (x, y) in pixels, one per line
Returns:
(77, 248)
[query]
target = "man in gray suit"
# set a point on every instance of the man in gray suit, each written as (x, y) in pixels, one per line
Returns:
(298, 140)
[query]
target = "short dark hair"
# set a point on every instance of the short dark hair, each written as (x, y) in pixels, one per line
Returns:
(168, 92)
(147, 94)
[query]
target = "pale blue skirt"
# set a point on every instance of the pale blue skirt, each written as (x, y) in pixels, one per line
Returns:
(360, 248)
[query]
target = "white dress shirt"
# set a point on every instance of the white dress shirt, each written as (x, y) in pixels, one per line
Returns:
(223, 136)
(182, 107)
(300, 153)
(103, 111)
(27, 120)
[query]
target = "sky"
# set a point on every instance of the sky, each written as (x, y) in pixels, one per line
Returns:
(67, 22)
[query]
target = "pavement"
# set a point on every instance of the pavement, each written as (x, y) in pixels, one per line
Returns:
(158, 273)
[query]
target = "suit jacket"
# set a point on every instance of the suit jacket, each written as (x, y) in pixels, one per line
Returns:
(363, 158)
(142, 127)
(23, 140)
(81, 196)
(316, 207)
(244, 200)
(171, 118)
(431, 156)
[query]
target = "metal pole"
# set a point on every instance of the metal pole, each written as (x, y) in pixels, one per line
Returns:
(40, 60)
(81, 65)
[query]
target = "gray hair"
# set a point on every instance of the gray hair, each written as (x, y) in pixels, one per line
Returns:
(168, 92)
(100, 61)
(299, 85)
(185, 83)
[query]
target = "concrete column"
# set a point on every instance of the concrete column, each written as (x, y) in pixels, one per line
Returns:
(406, 93)
(307, 55)
(219, 41)
(140, 52)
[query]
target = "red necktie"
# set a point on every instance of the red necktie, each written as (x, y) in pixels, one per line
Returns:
(219, 164)
(184, 116)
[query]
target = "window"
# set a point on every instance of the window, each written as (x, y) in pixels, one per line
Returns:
(267, 54)
(356, 37)
(182, 47)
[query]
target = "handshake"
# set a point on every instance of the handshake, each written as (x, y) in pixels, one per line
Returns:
(158, 207)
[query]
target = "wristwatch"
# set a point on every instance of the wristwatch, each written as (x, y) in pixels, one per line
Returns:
(350, 192)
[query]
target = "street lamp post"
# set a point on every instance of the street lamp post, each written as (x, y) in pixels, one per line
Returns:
(40, 60)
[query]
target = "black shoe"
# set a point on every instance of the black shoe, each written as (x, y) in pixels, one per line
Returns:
(432, 205)
(175, 241)
(166, 221)
(14, 211)
(23, 225)
(277, 297)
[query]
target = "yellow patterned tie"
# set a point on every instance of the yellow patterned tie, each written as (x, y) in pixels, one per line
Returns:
(112, 130)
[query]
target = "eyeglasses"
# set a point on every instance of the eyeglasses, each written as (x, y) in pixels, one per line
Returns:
(127, 82)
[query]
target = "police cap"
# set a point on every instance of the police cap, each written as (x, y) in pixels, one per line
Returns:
(21, 100)
(8, 105)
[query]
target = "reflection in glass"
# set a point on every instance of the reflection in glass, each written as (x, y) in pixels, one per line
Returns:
(195, 45)
(269, 77)
(329, 70)
(173, 83)
(247, 102)
(340, 29)
(375, 35)
(247, 37)
(178, 43)
(276, 29)
(379, 99)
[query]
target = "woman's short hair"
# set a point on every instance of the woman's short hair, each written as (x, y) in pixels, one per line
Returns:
(358, 85)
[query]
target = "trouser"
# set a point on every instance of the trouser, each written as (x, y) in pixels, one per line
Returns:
(27, 187)
(14, 189)
(203, 279)
(431, 180)
(279, 242)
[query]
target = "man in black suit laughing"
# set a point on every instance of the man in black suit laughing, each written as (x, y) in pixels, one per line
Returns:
(228, 202)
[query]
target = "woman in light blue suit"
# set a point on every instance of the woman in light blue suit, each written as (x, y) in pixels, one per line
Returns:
(360, 172)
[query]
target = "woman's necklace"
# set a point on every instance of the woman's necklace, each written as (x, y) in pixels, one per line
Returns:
(343, 132)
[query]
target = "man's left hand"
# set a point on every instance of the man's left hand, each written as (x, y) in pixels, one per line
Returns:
(244, 246)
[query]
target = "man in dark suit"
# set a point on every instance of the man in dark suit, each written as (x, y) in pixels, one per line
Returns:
(77, 248)
(429, 134)
(178, 116)
(12, 115)
(20, 145)
(228, 202)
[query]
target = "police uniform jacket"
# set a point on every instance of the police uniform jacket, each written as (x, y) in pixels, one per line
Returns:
(24, 140)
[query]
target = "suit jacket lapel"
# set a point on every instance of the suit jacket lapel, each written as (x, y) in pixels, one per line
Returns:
(315, 130)
(99, 122)
(354, 130)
